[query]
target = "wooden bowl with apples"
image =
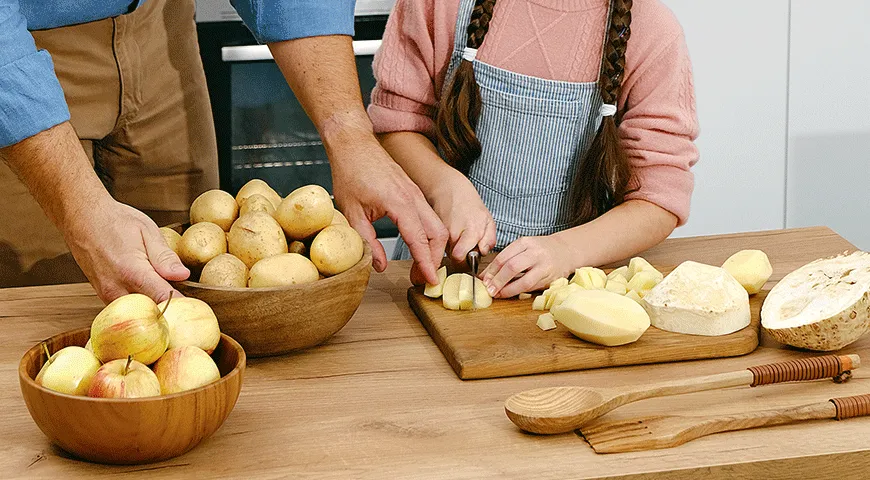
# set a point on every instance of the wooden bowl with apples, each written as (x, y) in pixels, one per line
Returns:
(93, 394)
(281, 274)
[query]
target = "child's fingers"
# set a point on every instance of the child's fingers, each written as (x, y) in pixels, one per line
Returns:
(509, 271)
(465, 243)
(532, 280)
(498, 262)
(487, 243)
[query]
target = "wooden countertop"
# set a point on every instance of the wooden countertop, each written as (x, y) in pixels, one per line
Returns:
(379, 400)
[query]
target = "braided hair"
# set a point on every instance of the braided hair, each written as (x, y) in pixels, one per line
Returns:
(603, 176)
(459, 108)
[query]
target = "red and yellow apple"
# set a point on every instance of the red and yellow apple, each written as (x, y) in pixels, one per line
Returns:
(191, 323)
(185, 368)
(70, 370)
(130, 325)
(124, 378)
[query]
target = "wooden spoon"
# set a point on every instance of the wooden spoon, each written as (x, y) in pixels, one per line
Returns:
(670, 431)
(563, 409)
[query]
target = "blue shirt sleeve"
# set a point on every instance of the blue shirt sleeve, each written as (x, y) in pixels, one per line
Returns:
(31, 99)
(278, 20)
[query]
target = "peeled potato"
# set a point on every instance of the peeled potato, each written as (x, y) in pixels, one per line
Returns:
(172, 238)
(623, 271)
(224, 270)
(256, 236)
(435, 291)
(215, 206)
(638, 264)
(306, 211)
(200, 243)
(602, 317)
(616, 287)
(336, 249)
(282, 270)
(338, 218)
(256, 203)
(751, 268)
(482, 299)
(589, 278)
(258, 186)
(644, 281)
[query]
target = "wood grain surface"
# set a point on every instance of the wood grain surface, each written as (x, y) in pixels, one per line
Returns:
(378, 400)
(504, 340)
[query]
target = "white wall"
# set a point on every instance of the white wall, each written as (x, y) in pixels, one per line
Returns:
(829, 118)
(739, 52)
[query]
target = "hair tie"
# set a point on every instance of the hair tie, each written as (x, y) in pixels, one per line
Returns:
(469, 54)
(607, 110)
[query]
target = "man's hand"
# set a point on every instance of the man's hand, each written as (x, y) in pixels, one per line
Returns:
(122, 251)
(119, 248)
(367, 183)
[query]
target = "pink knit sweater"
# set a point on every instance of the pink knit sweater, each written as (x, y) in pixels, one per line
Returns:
(556, 40)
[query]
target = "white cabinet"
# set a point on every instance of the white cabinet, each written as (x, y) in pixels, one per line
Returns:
(739, 52)
(829, 118)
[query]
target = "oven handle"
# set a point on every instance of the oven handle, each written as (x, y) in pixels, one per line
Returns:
(251, 53)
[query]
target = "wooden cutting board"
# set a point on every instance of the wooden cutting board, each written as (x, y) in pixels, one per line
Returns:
(504, 341)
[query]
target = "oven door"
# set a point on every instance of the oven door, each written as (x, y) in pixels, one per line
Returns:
(271, 137)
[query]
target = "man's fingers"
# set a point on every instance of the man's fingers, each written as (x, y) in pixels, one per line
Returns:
(364, 227)
(142, 278)
(468, 239)
(164, 261)
(417, 277)
(487, 243)
(417, 240)
(435, 229)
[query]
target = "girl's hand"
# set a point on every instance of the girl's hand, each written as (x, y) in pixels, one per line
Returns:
(468, 221)
(526, 265)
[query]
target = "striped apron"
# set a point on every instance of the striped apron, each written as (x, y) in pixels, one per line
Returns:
(533, 133)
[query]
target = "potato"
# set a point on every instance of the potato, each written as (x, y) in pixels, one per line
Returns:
(622, 271)
(171, 237)
(306, 211)
(589, 278)
(558, 283)
(482, 299)
(200, 243)
(644, 281)
(282, 270)
(459, 291)
(336, 249)
(539, 303)
(616, 287)
(636, 265)
(525, 296)
(338, 218)
(258, 186)
(256, 203)
(215, 206)
(546, 322)
(224, 270)
(256, 236)
(297, 247)
(435, 291)
(602, 317)
(751, 268)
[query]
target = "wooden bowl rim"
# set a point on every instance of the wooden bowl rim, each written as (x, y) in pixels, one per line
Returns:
(364, 262)
(237, 369)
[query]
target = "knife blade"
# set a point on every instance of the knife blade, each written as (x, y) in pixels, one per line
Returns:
(473, 259)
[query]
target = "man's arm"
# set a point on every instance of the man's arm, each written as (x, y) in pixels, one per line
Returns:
(119, 248)
(368, 184)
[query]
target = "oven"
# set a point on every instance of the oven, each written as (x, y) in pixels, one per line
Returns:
(262, 130)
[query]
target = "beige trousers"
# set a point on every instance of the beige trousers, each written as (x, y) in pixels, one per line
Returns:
(138, 100)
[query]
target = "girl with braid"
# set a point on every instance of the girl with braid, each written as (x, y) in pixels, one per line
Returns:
(558, 133)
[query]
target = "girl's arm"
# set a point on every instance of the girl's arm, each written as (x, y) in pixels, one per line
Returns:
(631, 227)
(452, 196)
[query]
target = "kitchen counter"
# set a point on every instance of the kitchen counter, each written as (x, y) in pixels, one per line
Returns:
(380, 401)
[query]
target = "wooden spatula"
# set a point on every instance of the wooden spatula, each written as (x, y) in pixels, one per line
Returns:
(669, 431)
(563, 409)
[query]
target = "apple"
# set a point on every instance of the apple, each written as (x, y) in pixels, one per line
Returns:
(191, 323)
(185, 368)
(70, 370)
(130, 325)
(124, 378)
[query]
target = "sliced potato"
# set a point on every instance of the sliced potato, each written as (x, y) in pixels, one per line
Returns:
(559, 282)
(546, 321)
(623, 270)
(562, 294)
(644, 281)
(466, 292)
(482, 299)
(450, 292)
(435, 291)
(616, 287)
(525, 296)
(633, 295)
(638, 264)
(617, 279)
(589, 278)
(539, 303)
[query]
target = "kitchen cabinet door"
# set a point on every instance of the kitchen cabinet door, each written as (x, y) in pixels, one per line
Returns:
(739, 51)
(829, 118)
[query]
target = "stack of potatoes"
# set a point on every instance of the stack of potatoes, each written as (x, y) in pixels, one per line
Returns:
(258, 239)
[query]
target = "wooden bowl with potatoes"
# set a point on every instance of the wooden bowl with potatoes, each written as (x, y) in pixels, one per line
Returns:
(281, 274)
